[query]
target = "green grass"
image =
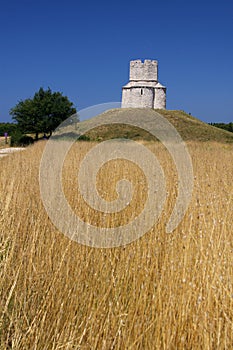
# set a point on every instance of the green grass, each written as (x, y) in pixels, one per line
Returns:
(190, 128)
(193, 129)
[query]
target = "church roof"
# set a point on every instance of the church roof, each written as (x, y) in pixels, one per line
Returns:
(143, 84)
(160, 85)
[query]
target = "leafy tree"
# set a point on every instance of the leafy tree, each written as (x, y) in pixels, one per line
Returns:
(228, 127)
(7, 127)
(43, 113)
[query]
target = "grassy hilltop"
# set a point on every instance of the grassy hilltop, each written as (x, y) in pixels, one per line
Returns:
(163, 291)
(190, 128)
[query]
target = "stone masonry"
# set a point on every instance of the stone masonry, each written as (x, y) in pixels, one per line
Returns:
(143, 89)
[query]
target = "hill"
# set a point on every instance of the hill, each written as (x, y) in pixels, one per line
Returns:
(189, 127)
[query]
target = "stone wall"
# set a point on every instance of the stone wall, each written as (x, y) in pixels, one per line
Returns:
(143, 89)
(147, 71)
(160, 98)
(143, 96)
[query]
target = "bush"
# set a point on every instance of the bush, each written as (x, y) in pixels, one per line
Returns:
(15, 137)
(18, 139)
(84, 138)
(7, 127)
(25, 140)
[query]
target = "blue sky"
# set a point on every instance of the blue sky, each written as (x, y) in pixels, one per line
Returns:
(83, 49)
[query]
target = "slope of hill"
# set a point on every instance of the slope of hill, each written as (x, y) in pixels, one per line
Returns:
(190, 128)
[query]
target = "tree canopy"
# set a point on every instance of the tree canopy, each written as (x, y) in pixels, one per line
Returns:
(43, 113)
(228, 127)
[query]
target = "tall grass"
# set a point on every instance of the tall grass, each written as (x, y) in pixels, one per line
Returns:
(3, 143)
(164, 291)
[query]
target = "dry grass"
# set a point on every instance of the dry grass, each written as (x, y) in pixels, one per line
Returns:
(3, 142)
(189, 127)
(164, 291)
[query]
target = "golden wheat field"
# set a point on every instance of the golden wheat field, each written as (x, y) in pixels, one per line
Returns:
(3, 143)
(163, 291)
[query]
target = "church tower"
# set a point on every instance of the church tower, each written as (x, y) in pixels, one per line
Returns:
(143, 89)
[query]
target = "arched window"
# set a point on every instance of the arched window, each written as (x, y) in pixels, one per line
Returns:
(141, 91)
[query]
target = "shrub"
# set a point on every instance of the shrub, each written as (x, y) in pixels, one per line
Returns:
(18, 139)
(15, 137)
(84, 138)
(25, 140)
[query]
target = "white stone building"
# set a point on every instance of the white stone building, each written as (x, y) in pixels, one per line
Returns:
(143, 89)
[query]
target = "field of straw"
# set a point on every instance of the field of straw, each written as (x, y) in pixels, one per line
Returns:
(3, 143)
(163, 291)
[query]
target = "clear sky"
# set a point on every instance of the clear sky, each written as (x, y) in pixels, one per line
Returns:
(83, 49)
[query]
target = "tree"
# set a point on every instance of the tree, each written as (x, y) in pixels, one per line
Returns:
(228, 127)
(43, 113)
(7, 127)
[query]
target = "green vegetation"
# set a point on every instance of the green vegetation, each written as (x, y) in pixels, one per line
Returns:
(189, 127)
(43, 113)
(228, 127)
(15, 136)
(193, 129)
(7, 127)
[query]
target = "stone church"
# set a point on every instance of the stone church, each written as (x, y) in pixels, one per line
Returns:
(143, 89)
